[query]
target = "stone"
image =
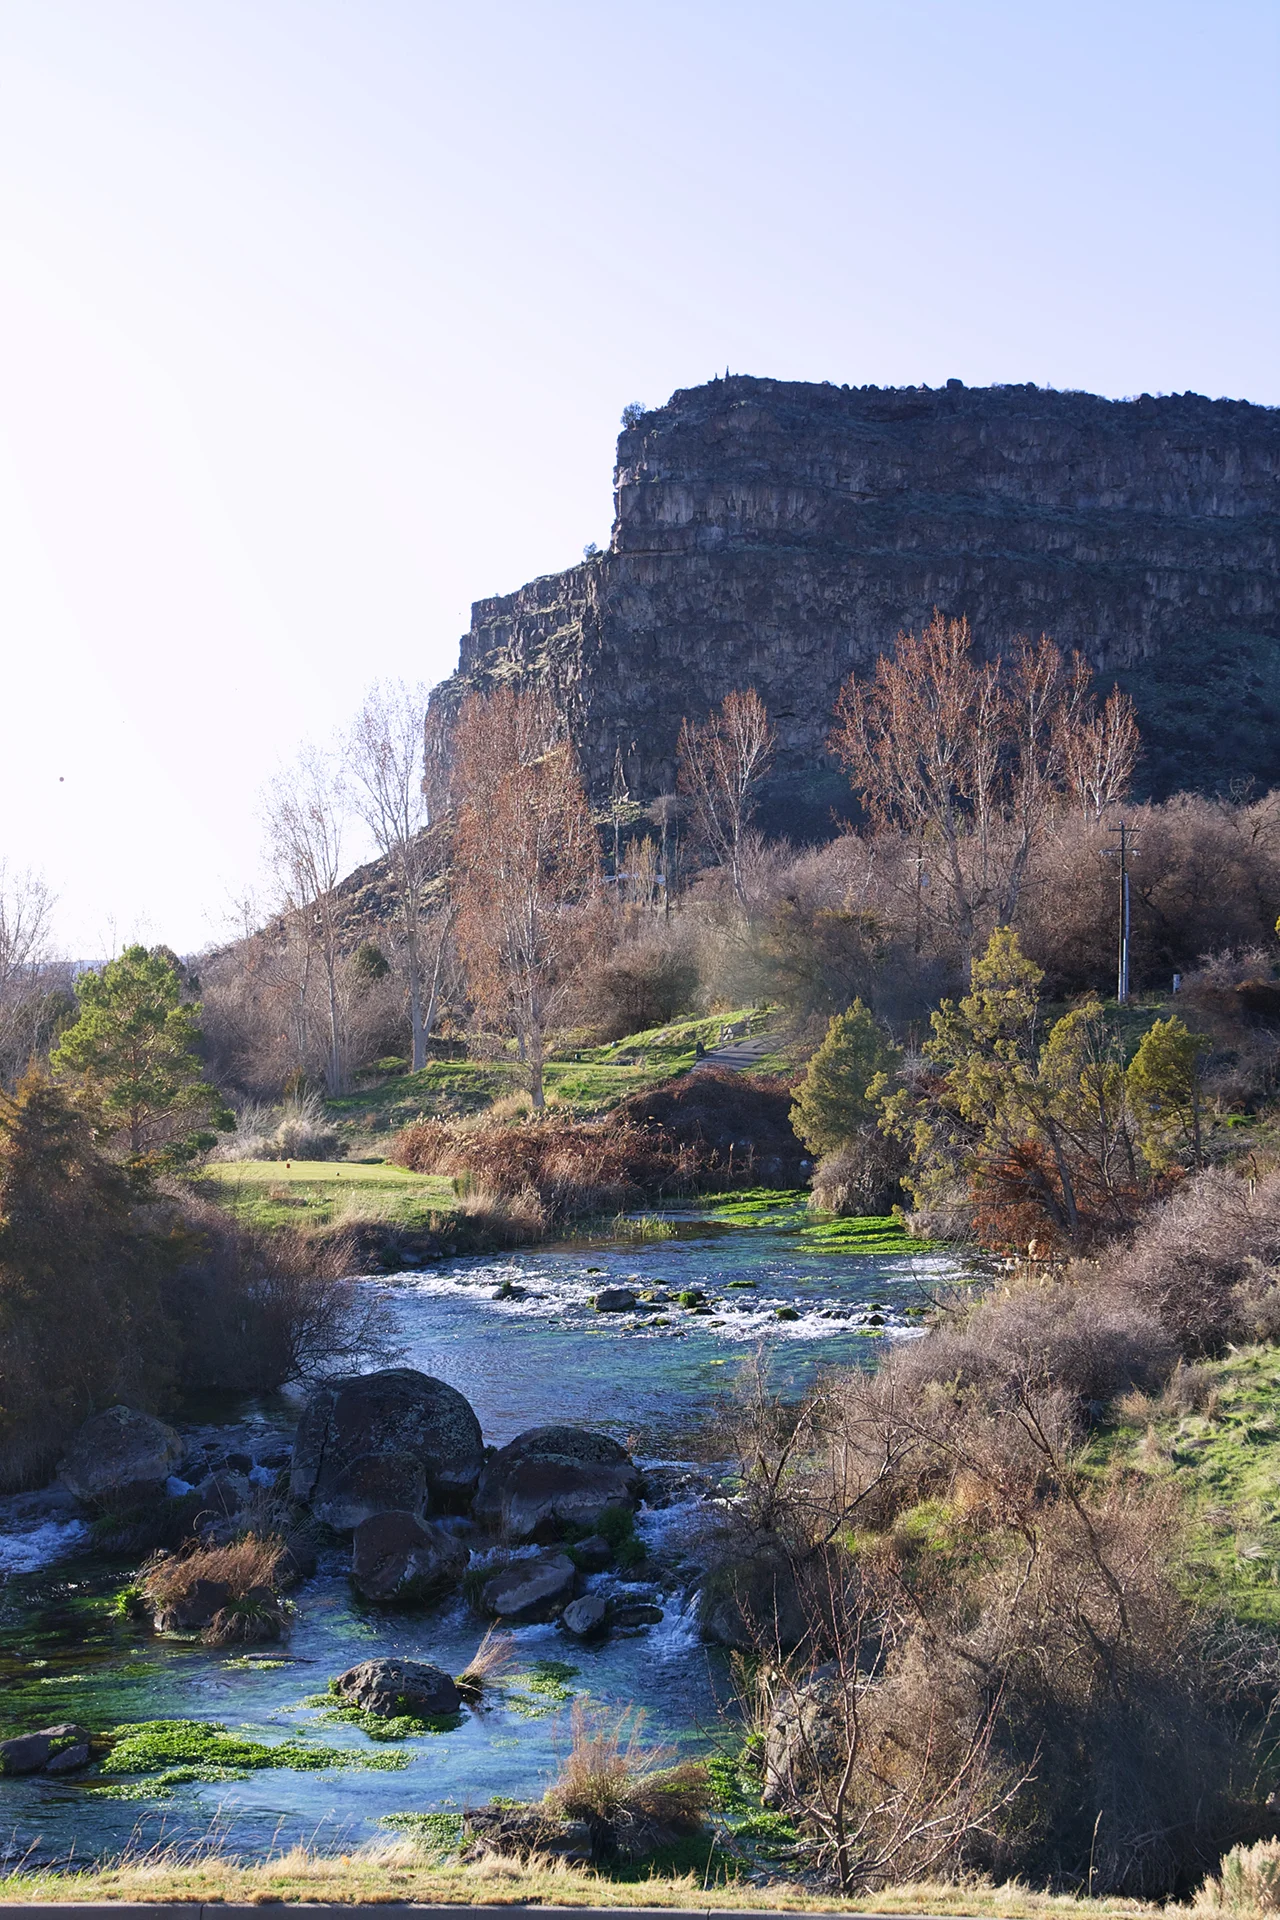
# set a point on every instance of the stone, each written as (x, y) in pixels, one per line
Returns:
(750, 1603)
(120, 1457)
(531, 1589)
(33, 1752)
(586, 1617)
(614, 1300)
(224, 1493)
(298, 1561)
(593, 1554)
(778, 534)
(635, 1616)
(410, 1423)
(805, 1738)
(195, 1609)
(399, 1560)
(392, 1687)
(551, 1477)
(70, 1760)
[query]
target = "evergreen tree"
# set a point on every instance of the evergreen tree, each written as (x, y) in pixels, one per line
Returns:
(831, 1105)
(133, 1051)
(1163, 1085)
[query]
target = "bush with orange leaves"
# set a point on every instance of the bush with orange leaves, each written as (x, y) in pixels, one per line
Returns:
(574, 1169)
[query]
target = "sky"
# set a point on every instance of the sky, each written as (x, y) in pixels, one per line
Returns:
(316, 322)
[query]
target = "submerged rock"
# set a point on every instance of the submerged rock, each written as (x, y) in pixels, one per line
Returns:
(551, 1477)
(374, 1442)
(586, 1617)
(391, 1687)
(614, 1300)
(531, 1589)
(120, 1456)
(397, 1559)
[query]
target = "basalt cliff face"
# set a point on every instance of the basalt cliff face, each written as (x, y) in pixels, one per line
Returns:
(779, 535)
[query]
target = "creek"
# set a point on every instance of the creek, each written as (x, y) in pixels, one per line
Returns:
(517, 1334)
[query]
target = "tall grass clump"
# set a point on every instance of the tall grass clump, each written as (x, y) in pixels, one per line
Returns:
(299, 1130)
(629, 1793)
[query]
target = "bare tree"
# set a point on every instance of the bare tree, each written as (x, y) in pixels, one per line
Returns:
(25, 906)
(525, 861)
(972, 758)
(721, 767)
(385, 757)
(305, 812)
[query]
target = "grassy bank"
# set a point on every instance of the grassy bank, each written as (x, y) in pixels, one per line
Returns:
(398, 1872)
(1214, 1437)
(328, 1193)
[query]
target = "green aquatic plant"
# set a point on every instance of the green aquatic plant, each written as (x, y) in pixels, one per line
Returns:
(438, 1834)
(541, 1689)
(204, 1749)
(334, 1712)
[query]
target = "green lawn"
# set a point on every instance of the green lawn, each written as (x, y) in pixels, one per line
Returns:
(322, 1193)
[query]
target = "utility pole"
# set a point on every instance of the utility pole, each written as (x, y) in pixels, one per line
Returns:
(1124, 849)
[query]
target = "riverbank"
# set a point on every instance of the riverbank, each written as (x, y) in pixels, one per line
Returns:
(384, 1875)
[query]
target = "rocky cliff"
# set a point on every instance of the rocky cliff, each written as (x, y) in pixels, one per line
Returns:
(779, 535)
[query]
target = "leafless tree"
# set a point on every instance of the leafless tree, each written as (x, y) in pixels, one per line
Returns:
(721, 767)
(526, 863)
(384, 755)
(974, 757)
(305, 812)
(25, 906)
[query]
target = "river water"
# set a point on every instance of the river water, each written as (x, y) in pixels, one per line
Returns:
(525, 1353)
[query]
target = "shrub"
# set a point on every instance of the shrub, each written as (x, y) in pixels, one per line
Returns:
(635, 989)
(1248, 1881)
(861, 1177)
(614, 1781)
(547, 1168)
(1202, 1265)
(831, 1102)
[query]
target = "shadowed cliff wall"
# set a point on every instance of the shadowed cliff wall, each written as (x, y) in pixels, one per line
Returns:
(779, 535)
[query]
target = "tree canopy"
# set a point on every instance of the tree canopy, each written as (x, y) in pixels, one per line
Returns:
(831, 1105)
(134, 1053)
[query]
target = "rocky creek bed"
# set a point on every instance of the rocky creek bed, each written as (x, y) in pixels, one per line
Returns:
(545, 1338)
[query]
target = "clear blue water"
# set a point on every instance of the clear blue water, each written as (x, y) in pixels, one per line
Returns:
(522, 1362)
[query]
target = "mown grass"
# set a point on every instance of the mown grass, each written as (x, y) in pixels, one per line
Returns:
(1224, 1460)
(324, 1193)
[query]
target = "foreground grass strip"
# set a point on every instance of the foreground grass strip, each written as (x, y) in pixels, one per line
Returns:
(388, 1872)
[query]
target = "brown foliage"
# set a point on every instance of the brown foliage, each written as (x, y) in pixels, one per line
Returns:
(569, 1168)
(721, 766)
(736, 1125)
(628, 1792)
(1205, 1266)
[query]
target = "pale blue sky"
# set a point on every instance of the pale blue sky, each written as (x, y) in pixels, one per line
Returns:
(316, 321)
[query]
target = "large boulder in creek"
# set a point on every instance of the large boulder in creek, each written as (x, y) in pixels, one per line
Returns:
(381, 1442)
(807, 1737)
(120, 1458)
(532, 1589)
(392, 1687)
(750, 1602)
(552, 1477)
(399, 1560)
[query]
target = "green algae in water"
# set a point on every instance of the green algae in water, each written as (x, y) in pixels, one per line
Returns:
(203, 1749)
(396, 1726)
(541, 1690)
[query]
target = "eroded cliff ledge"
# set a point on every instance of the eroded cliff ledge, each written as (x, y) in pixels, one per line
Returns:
(778, 535)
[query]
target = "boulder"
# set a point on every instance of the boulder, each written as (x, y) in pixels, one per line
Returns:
(551, 1477)
(751, 1604)
(35, 1752)
(223, 1493)
(298, 1561)
(70, 1760)
(120, 1457)
(374, 1442)
(806, 1737)
(591, 1555)
(399, 1560)
(585, 1617)
(639, 1615)
(531, 1589)
(614, 1300)
(391, 1687)
(195, 1608)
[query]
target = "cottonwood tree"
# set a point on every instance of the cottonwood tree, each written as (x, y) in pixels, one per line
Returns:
(305, 813)
(384, 755)
(973, 758)
(526, 863)
(721, 766)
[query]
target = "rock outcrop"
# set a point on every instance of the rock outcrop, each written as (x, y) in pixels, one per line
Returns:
(779, 534)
